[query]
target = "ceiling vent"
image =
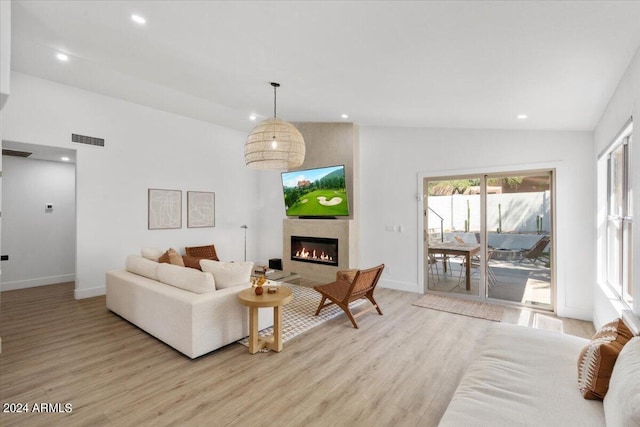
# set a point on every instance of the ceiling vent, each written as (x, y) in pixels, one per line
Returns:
(88, 140)
(15, 153)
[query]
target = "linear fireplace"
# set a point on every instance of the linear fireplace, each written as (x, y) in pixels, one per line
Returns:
(317, 250)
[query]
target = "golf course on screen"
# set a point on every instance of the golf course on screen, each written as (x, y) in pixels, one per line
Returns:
(317, 192)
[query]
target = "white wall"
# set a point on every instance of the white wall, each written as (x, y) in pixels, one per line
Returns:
(5, 50)
(393, 158)
(41, 244)
(145, 148)
(624, 103)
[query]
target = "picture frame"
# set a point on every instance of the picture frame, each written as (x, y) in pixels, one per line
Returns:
(201, 209)
(164, 209)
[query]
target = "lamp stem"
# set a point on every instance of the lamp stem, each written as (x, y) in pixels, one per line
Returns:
(245, 240)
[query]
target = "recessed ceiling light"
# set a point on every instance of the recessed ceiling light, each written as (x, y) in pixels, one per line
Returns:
(522, 116)
(64, 159)
(252, 117)
(138, 19)
(345, 116)
(62, 57)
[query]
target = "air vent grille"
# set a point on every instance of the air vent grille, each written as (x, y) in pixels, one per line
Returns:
(88, 140)
(15, 153)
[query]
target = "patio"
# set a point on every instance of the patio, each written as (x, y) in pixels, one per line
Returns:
(522, 282)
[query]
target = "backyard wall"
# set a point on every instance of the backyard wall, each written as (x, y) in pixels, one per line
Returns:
(394, 158)
(519, 212)
(145, 148)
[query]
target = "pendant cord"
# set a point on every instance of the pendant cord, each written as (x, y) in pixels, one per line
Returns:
(274, 101)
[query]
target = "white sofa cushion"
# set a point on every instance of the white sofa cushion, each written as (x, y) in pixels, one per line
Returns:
(185, 278)
(142, 266)
(622, 402)
(152, 254)
(228, 274)
(523, 376)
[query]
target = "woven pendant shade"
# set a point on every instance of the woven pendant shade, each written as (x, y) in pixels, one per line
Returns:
(274, 144)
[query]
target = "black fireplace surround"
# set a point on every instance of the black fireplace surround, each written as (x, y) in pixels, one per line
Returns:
(317, 250)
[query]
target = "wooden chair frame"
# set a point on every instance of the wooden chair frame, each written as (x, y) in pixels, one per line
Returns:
(536, 251)
(342, 292)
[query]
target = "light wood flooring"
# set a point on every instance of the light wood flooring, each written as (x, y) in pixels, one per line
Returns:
(399, 369)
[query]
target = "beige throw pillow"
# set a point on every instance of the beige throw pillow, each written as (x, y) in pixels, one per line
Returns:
(152, 254)
(622, 402)
(228, 274)
(188, 279)
(597, 359)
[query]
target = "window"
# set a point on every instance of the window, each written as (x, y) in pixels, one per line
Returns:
(619, 250)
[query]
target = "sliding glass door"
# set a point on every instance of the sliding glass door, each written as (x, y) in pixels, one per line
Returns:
(519, 238)
(490, 236)
(452, 246)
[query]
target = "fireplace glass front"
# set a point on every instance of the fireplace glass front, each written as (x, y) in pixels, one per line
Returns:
(317, 250)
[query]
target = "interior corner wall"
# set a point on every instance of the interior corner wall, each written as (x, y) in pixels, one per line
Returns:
(624, 104)
(393, 158)
(145, 148)
(40, 243)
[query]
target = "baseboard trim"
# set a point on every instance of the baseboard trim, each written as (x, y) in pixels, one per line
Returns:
(40, 281)
(89, 293)
(399, 286)
(575, 313)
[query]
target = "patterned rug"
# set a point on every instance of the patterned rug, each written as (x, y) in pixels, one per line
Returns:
(298, 315)
(480, 310)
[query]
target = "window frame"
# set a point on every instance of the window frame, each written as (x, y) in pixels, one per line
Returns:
(619, 217)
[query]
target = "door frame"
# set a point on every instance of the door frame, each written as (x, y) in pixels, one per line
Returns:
(557, 249)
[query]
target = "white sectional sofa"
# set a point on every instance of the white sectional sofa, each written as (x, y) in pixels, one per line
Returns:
(528, 377)
(155, 298)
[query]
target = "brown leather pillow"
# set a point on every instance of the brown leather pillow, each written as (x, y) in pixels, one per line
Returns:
(171, 257)
(597, 359)
(202, 252)
(194, 261)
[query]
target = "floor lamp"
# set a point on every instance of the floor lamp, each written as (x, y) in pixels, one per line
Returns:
(245, 240)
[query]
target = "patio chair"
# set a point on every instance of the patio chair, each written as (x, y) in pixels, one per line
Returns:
(535, 252)
(342, 292)
(433, 262)
(475, 263)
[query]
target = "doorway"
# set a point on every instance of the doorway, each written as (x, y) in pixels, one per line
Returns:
(38, 238)
(490, 237)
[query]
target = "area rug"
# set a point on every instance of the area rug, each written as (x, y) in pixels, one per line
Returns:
(480, 310)
(298, 315)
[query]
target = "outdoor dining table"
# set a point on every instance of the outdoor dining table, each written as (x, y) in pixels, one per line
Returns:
(456, 249)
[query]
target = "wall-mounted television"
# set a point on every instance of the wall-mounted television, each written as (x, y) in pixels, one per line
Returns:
(316, 193)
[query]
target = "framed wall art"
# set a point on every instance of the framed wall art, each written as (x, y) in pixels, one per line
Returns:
(165, 209)
(201, 209)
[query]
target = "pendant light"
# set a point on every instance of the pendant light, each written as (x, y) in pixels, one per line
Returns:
(274, 143)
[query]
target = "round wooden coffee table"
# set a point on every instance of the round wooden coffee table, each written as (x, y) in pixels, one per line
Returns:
(249, 298)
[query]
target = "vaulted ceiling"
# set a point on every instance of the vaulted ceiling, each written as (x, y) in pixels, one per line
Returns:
(384, 63)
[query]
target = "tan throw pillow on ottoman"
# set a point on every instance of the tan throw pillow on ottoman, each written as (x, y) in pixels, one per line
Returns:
(171, 257)
(597, 359)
